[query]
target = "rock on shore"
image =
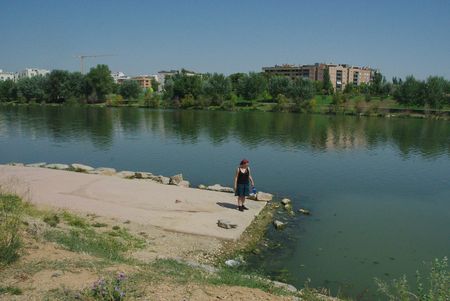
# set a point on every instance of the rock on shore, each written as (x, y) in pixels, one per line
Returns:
(264, 196)
(57, 166)
(218, 187)
(81, 167)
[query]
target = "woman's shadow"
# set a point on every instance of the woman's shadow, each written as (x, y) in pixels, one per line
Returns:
(227, 205)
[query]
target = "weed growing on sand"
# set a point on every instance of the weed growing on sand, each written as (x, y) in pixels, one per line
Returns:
(99, 225)
(74, 220)
(108, 289)
(52, 220)
(10, 290)
(10, 220)
(181, 273)
(437, 288)
(82, 238)
(88, 241)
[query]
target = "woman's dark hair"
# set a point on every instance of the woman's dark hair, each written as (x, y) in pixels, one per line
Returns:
(244, 161)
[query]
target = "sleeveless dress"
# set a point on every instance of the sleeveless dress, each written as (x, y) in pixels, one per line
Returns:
(243, 187)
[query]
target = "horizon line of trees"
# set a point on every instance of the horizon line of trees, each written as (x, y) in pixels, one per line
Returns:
(185, 90)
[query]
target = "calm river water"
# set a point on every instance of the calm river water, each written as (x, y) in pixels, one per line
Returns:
(378, 188)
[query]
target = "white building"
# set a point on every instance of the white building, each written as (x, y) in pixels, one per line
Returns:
(6, 75)
(30, 72)
(119, 77)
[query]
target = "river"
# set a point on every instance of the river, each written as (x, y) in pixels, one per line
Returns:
(378, 188)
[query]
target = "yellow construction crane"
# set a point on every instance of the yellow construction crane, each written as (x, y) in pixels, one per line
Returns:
(82, 57)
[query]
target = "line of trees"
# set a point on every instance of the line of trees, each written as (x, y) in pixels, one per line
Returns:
(186, 90)
(60, 86)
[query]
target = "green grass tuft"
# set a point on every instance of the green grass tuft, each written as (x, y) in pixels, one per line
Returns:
(74, 220)
(10, 290)
(99, 225)
(10, 221)
(88, 241)
(52, 220)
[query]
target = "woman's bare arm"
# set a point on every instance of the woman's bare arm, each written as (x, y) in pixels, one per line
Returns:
(250, 177)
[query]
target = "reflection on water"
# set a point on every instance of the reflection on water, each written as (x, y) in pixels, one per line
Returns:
(378, 188)
(252, 129)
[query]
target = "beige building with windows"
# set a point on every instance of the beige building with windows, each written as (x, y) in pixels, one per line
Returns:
(340, 74)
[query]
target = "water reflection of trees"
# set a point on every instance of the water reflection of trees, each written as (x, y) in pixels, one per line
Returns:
(251, 129)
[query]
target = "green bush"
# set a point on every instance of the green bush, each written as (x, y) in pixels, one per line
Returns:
(51, 220)
(74, 220)
(436, 289)
(10, 241)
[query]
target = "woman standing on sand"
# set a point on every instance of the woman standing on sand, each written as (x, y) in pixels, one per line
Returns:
(242, 180)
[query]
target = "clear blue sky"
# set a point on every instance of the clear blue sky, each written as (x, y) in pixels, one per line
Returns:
(399, 37)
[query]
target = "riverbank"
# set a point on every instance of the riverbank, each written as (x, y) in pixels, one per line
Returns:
(72, 238)
(58, 255)
(375, 108)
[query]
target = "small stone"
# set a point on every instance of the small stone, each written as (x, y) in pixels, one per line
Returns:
(285, 286)
(40, 164)
(176, 179)
(232, 263)
(184, 183)
(81, 167)
(177, 201)
(56, 274)
(304, 211)
(264, 196)
(201, 186)
(285, 201)
(278, 224)
(15, 164)
(226, 224)
(217, 187)
(142, 175)
(164, 180)
(57, 166)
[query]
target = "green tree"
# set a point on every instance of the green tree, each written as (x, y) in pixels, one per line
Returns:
(376, 86)
(99, 83)
(155, 85)
(217, 88)
(279, 85)
(252, 86)
(327, 85)
(436, 94)
(184, 84)
(77, 86)
(411, 91)
(282, 103)
(301, 90)
(58, 86)
(130, 89)
(32, 89)
(235, 81)
(8, 90)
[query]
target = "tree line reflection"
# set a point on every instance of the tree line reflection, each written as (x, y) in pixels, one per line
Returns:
(62, 124)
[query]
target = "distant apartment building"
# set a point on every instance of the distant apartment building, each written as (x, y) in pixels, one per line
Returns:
(340, 74)
(119, 77)
(145, 81)
(6, 75)
(30, 72)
